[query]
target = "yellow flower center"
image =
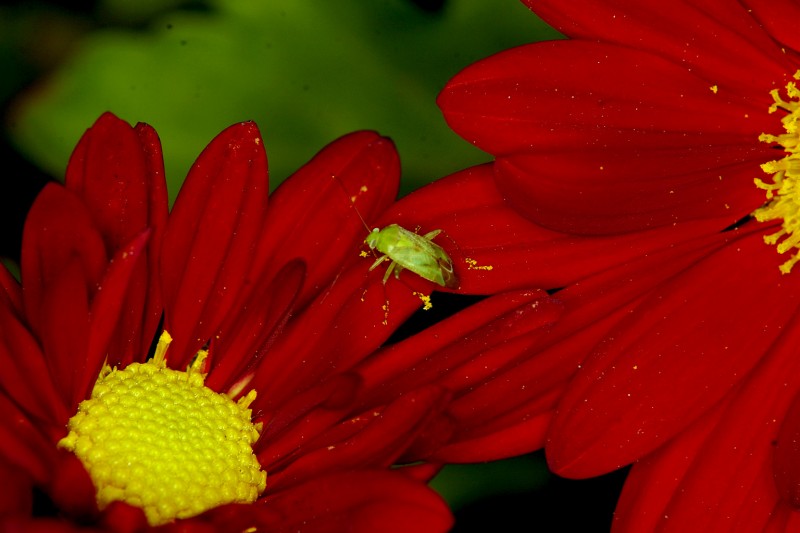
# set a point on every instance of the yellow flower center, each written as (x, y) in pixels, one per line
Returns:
(783, 194)
(160, 440)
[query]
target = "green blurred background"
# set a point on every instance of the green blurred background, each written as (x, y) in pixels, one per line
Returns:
(306, 72)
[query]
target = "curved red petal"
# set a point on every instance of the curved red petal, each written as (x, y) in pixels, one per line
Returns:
(719, 474)
(26, 378)
(693, 334)
(245, 336)
(24, 444)
(525, 393)
(458, 352)
(58, 230)
(118, 171)
(568, 194)
(494, 248)
(16, 494)
(639, 165)
(366, 501)
(115, 174)
(209, 243)
(318, 214)
(777, 20)
(384, 435)
(108, 307)
(346, 323)
(293, 426)
(11, 293)
(71, 489)
(671, 31)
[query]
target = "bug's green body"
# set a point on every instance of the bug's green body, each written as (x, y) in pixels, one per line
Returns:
(417, 253)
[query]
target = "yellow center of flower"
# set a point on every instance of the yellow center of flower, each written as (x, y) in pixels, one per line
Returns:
(162, 441)
(783, 194)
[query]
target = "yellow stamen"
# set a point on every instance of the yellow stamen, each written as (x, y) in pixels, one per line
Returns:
(160, 440)
(783, 193)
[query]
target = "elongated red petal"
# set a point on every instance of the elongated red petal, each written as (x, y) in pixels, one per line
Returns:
(524, 393)
(346, 323)
(16, 494)
(209, 243)
(118, 171)
(777, 19)
(249, 332)
(726, 478)
(11, 293)
(386, 433)
(366, 501)
(637, 166)
(108, 307)
(622, 404)
(453, 352)
(58, 230)
(319, 213)
(494, 248)
(24, 444)
(26, 378)
(671, 31)
(116, 175)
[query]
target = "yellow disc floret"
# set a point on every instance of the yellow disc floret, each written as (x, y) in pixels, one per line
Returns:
(783, 194)
(160, 440)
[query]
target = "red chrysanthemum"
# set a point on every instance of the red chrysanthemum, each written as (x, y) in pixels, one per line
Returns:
(663, 138)
(276, 319)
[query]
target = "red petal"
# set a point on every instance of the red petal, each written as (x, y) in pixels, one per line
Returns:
(787, 457)
(693, 334)
(64, 270)
(115, 169)
(523, 394)
(459, 351)
(26, 378)
(107, 308)
(345, 324)
(480, 226)
(386, 434)
(119, 173)
(24, 444)
(777, 18)
(16, 491)
(365, 501)
(72, 490)
(291, 427)
(250, 331)
(209, 243)
(653, 151)
(58, 230)
(700, 36)
(11, 293)
(316, 214)
(720, 477)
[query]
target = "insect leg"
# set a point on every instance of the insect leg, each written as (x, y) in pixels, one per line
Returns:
(389, 270)
(378, 261)
(431, 234)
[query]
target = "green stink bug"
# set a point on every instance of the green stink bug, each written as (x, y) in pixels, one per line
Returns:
(417, 253)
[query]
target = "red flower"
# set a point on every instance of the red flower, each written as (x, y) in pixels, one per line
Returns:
(268, 303)
(643, 133)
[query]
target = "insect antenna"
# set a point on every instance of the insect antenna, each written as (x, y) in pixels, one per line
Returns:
(353, 199)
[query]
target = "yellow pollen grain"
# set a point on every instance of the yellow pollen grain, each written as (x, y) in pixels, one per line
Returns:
(782, 192)
(714, 89)
(425, 299)
(473, 265)
(160, 440)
